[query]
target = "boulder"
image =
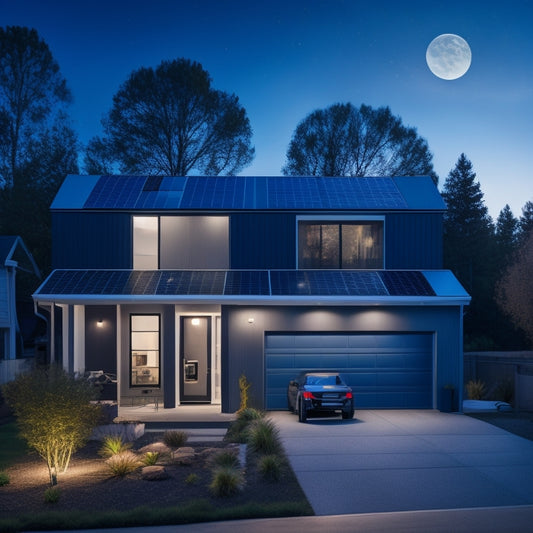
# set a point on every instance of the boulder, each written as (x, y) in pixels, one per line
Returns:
(160, 447)
(154, 473)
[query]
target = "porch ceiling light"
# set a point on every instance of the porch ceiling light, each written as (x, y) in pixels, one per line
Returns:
(195, 321)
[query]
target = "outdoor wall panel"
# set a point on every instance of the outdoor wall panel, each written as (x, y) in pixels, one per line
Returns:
(262, 240)
(91, 240)
(413, 241)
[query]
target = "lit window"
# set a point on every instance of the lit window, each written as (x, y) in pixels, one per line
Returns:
(144, 349)
(340, 245)
(145, 243)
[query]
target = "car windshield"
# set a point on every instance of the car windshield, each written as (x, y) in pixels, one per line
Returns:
(323, 380)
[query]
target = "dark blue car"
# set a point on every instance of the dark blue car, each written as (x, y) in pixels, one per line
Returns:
(315, 393)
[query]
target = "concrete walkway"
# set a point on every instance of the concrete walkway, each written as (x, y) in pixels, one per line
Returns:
(385, 461)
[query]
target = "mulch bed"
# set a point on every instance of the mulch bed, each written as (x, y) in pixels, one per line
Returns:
(89, 485)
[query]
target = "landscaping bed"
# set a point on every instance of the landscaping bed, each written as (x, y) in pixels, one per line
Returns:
(518, 422)
(89, 488)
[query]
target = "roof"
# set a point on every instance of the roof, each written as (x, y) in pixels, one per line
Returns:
(260, 287)
(11, 247)
(247, 193)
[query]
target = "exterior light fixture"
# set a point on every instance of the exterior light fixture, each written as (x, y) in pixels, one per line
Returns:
(195, 321)
(251, 320)
(100, 323)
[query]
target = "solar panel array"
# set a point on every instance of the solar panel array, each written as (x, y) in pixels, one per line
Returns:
(236, 283)
(239, 192)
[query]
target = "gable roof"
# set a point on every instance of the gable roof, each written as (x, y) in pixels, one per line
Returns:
(10, 247)
(247, 193)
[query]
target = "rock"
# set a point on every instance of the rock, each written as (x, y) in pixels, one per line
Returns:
(154, 473)
(160, 447)
(183, 456)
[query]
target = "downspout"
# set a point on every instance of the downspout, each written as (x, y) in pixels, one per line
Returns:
(462, 365)
(48, 325)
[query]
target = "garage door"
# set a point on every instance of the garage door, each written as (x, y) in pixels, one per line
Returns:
(386, 371)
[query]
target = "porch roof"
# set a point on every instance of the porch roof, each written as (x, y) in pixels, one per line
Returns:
(253, 287)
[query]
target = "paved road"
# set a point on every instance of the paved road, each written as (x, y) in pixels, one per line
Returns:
(385, 461)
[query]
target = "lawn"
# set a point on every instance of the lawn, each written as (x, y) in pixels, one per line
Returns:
(90, 496)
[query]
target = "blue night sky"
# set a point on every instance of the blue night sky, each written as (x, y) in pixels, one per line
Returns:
(284, 59)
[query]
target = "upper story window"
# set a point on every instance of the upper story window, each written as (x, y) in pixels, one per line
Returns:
(340, 244)
(145, 243)
(180, 242)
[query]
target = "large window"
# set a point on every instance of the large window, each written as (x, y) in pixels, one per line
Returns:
(340, 244)
(144, 350)
(145, 243)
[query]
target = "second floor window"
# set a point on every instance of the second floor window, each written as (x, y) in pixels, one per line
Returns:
(326, 244)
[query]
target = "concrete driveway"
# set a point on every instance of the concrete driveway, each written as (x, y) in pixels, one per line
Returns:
(383, 461)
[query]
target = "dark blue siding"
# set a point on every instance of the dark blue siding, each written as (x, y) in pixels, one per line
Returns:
(91, 240)
(261, 240)
(413, 241)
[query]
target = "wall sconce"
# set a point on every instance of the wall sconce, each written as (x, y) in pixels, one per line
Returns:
(251, 320)
(195, 321)
(100, 323)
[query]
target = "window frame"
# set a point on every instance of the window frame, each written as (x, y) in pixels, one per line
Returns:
(338, 219)
(132, 350)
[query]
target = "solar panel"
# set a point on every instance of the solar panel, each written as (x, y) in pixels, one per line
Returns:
(247, 282)
(406, 283)
(237, 282)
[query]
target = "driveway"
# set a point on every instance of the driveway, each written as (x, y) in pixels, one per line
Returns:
(384, 461)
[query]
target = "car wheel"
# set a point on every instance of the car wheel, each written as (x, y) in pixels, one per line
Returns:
(348, 415)
(302, 412)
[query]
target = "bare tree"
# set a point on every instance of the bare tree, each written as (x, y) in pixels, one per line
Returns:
(342, 140)
(169, 120)
(31, 91)
(515, 289)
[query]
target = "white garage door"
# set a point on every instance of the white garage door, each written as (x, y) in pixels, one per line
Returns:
(386, 371)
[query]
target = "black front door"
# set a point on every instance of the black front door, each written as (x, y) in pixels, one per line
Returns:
(195, 358)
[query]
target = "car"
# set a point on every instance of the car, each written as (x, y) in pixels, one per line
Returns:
(314, 393)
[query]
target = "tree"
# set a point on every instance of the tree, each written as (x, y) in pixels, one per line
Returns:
(342, 140)
(31, 90)
(515, 289)
(54, 413)
(525, 224)
(505, 236)
(170, 121)
(468, 245)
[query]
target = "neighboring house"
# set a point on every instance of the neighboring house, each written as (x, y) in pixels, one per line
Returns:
(180, 285)
(13, 256)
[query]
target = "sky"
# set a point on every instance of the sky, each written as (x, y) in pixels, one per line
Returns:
(286, 58)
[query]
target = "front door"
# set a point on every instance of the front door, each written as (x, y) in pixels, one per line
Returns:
(195, 358)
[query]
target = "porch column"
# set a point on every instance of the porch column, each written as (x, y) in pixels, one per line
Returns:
(168, 342)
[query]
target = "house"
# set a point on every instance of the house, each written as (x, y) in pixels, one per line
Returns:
(13, 256)
(180, 285)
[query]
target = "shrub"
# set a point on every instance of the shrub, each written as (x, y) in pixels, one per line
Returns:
(225, 458)
(150, 458)
(250, 414)
(52, 494)
(504, 391)
(475, 390)
(112, 445)
(54, 413)
(263, 437)
(244, 390)
(4, 479)
(174, 438)
(271, 467)
(192, 479)
(123, 463)
(226, 481)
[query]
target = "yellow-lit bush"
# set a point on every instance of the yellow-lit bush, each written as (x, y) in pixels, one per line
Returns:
(475, 390)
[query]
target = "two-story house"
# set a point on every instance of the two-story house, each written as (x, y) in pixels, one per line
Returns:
(180, 285)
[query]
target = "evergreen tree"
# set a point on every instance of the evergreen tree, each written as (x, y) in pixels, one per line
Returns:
(469, 249)
(506, 237)
(525, 224)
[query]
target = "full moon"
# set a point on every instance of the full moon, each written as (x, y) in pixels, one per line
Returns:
(448, 56)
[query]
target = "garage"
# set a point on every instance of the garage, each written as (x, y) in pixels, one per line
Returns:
(386, 370)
